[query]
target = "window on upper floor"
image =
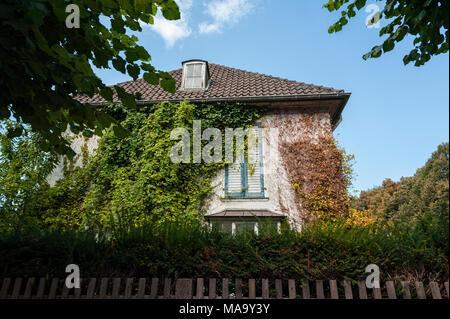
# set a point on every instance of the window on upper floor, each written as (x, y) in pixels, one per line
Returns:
(245, 177)
(195, 75)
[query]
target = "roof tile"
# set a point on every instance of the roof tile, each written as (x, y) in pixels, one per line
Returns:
(226, 83)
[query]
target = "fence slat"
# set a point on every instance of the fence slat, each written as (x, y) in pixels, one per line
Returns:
(251, 289)
(183, 288)
(116, 288)
(265, 288)
(103, 287)
(291, 288)
(348, 290)
(420, 290)
(334, 289)
(447, 289)
(16, 289)
(128, 288)
(377, 293)
(200, 285)
(319, 289)
(5, 288)
(65, 291)
(28, 287)
(391, 290)
(225, 289)
(166, 291)
(53, 287)
(91, 288)
(141, 288)
(41, 288)
(279, 288)
(305, 290)
(77, 291)
(362, 290)
(406, 291)
(435, 291)
(238, 288)
(154, 288)
(212, 288)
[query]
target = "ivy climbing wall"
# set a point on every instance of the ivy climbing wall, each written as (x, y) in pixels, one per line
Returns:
(288, 134)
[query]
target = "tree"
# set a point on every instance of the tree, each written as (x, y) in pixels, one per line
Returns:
(426, 20)
(23, 169)
(427, 192)
(47, 50)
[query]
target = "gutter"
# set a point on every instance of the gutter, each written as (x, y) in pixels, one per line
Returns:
(277, 98)
(344, 96)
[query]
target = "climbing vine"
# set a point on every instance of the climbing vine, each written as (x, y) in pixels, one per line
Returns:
(133, 178)
(317, 169)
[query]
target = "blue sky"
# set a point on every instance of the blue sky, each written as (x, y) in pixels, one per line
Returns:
(397, 115)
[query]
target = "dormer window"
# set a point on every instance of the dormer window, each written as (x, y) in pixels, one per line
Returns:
(195, 75)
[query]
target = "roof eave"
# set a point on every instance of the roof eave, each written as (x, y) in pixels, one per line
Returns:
(344, 96)
(275, 98)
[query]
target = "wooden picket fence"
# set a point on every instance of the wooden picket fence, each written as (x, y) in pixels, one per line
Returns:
(186, 288)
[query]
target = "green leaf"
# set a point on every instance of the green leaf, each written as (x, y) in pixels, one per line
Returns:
(127, 99)
(15, 132)
(133, 70)
(107, 93)
(170, 10)
(360, 4)
(151, 78)
(168, 85)
(105, 120)
(388, 45)
(119, 131)
(119, 64)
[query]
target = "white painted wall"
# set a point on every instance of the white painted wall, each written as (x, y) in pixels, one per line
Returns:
(278, 126)
(76, 143)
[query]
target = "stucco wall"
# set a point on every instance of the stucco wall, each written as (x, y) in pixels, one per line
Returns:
(278, 127)
(76, 143)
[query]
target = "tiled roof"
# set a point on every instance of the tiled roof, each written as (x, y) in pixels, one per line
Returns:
(226, 83)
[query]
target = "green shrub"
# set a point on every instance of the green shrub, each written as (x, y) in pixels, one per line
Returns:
(320, 251)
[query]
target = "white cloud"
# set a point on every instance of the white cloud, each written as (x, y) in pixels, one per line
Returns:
(224, 12)
(173, 30)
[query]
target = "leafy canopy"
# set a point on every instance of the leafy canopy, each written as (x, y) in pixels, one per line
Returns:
(427, 192)
(426, 20)
(23, 169)
(44, 64)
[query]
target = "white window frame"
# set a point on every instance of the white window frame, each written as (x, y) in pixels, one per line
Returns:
(233, 227)
(203, 76)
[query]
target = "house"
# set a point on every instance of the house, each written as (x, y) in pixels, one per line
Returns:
(247, 196)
